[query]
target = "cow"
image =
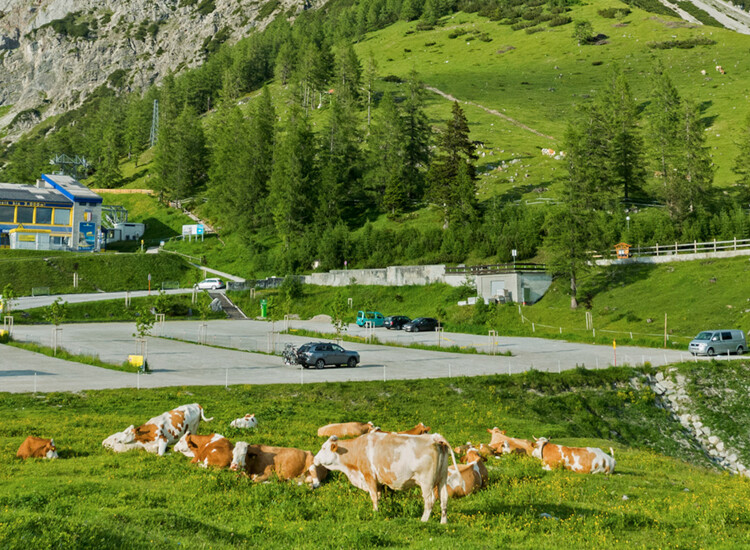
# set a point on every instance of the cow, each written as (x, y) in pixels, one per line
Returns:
(247, 421)
(261, 461)
(485, 451)
(419, 429)
(347, 429)
(398, 461)
(155, 435)
(503, 444)
(584, 460)
(206, 450)
(37, 447)
(464, 479)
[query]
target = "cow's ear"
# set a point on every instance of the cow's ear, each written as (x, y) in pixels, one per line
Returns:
(334, 445)
(489, 431)
(502, 432)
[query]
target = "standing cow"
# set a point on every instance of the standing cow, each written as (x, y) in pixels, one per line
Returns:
(155, 435)
(396, 460)
(37, 447)
(584, 460)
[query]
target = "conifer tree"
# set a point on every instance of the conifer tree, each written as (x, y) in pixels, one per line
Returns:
(138, 126)
(181, 156)
(417, 135)
(742, 162)
(385, 158)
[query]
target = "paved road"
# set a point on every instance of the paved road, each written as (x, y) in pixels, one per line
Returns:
(177, 363)
(28, 302)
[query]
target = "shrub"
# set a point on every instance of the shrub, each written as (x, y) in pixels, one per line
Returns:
(533, 30)
(682, 44)
(612, 13)
(457, 32)
(560, 20)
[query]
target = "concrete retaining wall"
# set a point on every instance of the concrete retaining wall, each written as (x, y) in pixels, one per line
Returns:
(667, 257)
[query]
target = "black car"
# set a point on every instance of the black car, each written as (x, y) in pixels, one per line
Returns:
(421, 324)
(395, 322)
(320, 354)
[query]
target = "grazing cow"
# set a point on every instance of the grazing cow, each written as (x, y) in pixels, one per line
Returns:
(703, 72)
(37, 447)
(247, 421)
(398, 461)
(347, 429)
(155, 435)
(503, 444)
(464, 479)
(584, 460)
(419, 429)
(261, 461)
(206, 450)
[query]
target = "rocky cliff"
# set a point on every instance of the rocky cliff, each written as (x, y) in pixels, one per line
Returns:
(53, 53)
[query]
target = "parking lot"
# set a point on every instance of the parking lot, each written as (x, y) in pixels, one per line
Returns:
(232, 356)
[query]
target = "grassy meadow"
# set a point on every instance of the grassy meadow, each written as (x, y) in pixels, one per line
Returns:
(663, 494)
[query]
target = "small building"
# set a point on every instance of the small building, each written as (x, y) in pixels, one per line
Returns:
(124, 231)
(58, 213)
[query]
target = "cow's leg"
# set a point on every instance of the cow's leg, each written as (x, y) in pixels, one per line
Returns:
(372, 488)
(429, 501)
(162, 448)
(443, 503)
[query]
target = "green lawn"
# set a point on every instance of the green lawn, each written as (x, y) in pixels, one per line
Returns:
(663, 493)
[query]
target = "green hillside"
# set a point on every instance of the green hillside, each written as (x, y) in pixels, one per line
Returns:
(663, 494)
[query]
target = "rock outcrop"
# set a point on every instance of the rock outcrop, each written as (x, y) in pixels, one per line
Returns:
(54, 53)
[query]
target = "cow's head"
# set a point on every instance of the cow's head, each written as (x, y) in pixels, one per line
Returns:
(50, 451)
(239, 457)
(372, 426)
(473, 454)
(328, 455)
(119, 439)
(184, 446)
(497, 434)
(422, 428)
(538, 446)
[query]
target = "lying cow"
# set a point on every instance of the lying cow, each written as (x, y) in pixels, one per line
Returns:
(37, 447)
(464, 479)
(419, 429)
(397, 460)
(206, 450)
(584, 460)
(262, 461)
(503, 444)
(485, 451)
(155, 435)
(347, 429)
(247, 421)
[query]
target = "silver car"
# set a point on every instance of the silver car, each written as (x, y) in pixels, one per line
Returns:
(321, 354)
(718, 342)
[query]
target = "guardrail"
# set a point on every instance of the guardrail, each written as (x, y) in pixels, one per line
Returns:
(491, 269)
(690, 248)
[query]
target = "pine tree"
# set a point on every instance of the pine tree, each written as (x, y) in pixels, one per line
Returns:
(293, 180)
(385, 158)
(181, 156)
(108, 173)
(371, 74)
(348, 72)
(742, 162)
(665, 114)
(137, 126)
(455, 149)
(417, 136)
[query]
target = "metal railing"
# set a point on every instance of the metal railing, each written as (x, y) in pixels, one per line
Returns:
(690, 248)
(495, 268)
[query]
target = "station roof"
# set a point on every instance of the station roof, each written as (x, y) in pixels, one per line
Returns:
(71, 188)
(31, 193)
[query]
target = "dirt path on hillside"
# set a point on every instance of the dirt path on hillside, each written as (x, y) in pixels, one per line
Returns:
(730, 16)
(492, 112)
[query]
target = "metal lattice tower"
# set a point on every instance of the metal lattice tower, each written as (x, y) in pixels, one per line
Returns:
(154, 124)
(69, 165)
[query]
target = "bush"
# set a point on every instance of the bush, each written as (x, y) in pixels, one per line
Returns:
(612, 13)
(682, 44)
(533, 30)
(560, 20)
(457, 32)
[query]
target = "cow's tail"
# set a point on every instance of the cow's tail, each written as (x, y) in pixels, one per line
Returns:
(203, 417)
(442, 442)
(611, 452)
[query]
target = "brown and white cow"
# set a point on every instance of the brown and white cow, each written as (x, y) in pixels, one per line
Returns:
(155, 435)
(247, 421)
(262, 461)
(37, 447)
(346, 429)
(485, 451)
(419, 429)
(504, 444)
(585, 460)
(398, 461)
(464, 479)
(206, 450)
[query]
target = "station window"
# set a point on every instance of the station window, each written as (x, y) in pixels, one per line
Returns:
(24, 214)
(44, 215)
(62, 216)
(6, 213)
(60, 241)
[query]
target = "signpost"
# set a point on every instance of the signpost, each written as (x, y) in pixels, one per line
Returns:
(149, 284)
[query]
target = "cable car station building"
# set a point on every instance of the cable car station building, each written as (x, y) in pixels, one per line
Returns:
(58, 213)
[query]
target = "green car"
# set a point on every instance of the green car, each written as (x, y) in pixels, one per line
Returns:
(374, 317)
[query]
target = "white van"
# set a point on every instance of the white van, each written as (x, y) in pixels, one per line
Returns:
(718, 342)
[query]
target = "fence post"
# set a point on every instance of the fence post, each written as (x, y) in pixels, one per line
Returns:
(714, 245)
(735, 243)
(695, 247)
(657, 249)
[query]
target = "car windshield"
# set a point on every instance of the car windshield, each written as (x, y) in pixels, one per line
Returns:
(704, 336)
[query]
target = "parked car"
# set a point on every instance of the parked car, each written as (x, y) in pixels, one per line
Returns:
(210, 284)
(421, 324)
(320, 354)
(374, 317)
(718, 342)
(395, 322)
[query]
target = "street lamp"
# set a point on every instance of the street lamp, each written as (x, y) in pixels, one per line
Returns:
(627, 219)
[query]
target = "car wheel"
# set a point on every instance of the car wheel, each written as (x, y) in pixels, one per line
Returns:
(740, 350)
(710, 352)
(320, 363)
(352, 362)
